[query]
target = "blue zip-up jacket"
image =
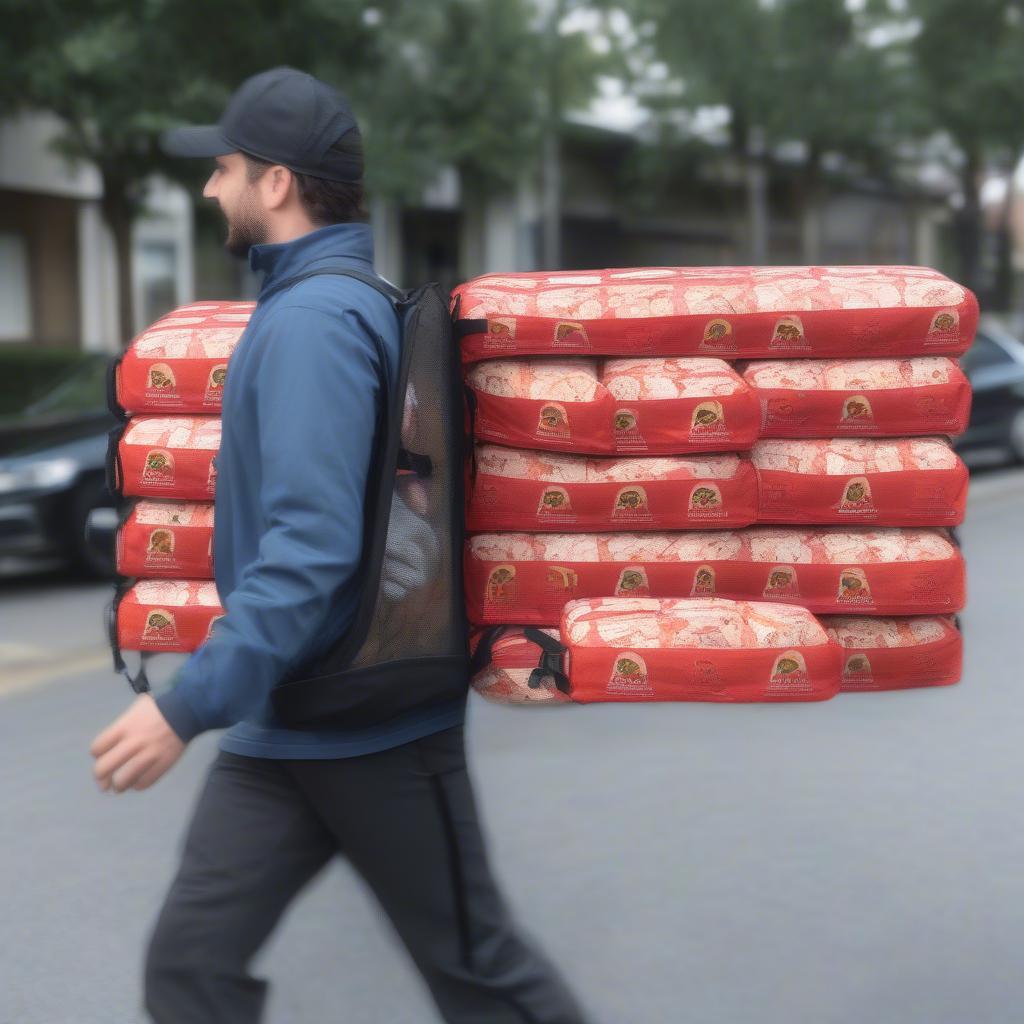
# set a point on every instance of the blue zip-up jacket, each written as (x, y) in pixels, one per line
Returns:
(299, 409)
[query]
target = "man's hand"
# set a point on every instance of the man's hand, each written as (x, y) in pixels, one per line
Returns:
(136, 749)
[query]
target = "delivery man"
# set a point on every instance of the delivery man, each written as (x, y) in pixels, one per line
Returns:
(278, 804)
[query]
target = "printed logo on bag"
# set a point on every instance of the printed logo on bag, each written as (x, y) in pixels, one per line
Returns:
(853, 587)
(631, 505)
(856, 498)
(561, 581)
(211, 477)
(707, 419)
(160, 629)
(629, 674)
(160, 548)
(789, 674)
(569, 334)
(788, 333)
(857, 412)
(705, 677)
(777, 410)
(160, 381)
(215, 384)
(633, 582)
(501, 332)
(944, 328)
(553, 421)
(718, 336)
(705, 502)
(857, 671)
(501, 587)
(555, 506)
(158, 468)
(703, 581)
(626, 430)
(782, 582)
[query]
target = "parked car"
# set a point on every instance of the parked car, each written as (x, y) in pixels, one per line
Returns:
(52, 485)
(994, 364)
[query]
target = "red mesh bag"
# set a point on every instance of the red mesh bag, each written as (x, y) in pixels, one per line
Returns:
(172, 539)
(166, 615)
(732, 312)
(526, 579)
(512, 489)
(894, 482)
(508, 671)
(179, 364)
(617, 406)
(165, 457)
(704, 649)
(860, 397)
(897, 654)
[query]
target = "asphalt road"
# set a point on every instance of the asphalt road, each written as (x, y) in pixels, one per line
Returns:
(858, 860)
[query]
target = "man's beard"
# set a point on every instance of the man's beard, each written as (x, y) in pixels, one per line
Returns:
(245, 229)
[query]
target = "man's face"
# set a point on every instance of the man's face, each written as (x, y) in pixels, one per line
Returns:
(240, 202)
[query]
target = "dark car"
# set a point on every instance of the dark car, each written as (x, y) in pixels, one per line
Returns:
(52, 484)
(994, 365)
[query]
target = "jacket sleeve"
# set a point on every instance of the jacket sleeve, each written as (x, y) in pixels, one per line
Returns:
(316, 399)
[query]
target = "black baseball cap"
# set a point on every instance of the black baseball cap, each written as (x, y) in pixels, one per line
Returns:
(284, 116)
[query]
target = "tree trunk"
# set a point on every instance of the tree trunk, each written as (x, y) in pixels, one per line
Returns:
(119, 215)
(968, 223)
(757, 196)
(1002, 285)
(809, 209)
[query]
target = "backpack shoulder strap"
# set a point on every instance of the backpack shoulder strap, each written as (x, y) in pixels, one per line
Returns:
(386, 288)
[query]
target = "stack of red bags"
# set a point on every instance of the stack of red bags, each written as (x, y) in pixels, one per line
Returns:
(677, 469)
(169, 384)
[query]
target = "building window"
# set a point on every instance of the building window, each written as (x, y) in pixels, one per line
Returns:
(15, 290)
(156, 273)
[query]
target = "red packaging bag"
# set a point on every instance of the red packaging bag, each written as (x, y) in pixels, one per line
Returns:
(730, 312)
(897, 654)
(171, 539)
(526, 579)
(892, 482)
(507, 672)
(860, 397)
(179, 364)
(167, 615)
(513, 489)
(696, 649)
(621, 406)
(167, 457)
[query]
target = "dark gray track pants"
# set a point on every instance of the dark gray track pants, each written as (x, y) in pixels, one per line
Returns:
(406, 819)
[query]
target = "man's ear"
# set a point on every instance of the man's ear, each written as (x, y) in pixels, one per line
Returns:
(276, 184)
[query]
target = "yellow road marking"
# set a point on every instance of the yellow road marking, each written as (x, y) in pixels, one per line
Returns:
(25, 676)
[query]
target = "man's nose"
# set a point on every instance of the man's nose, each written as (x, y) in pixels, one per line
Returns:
(210, 189)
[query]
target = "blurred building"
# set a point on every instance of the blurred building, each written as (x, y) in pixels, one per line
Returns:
(58, 274)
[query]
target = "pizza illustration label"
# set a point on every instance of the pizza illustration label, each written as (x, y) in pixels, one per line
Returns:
(708, 418)
(626, 430)
(554, 505)
(631, 504)
(500, 589)
(160, 381)
(215, 384)
(857, 412)
(856, 498)
(789, 674)
(501, 333)
(158, 468)
(777, 410)
(782, 582)
(854, 587)
(944, 328)
(857, 670)
(160, 629)
(553, 421)
(633, 582)
(559, 580)
(703, 581)
(629, 674)
(570, 334)
(718, 336)
(211, 477)
(788, 333)
(160, 547)
(705, 502)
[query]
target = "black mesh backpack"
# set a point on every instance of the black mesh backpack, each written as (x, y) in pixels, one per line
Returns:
(406, 647)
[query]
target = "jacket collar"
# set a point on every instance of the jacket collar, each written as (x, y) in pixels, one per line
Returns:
(280, 260)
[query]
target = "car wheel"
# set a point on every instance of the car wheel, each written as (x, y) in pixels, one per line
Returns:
(88, 554)
(1017, 436)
